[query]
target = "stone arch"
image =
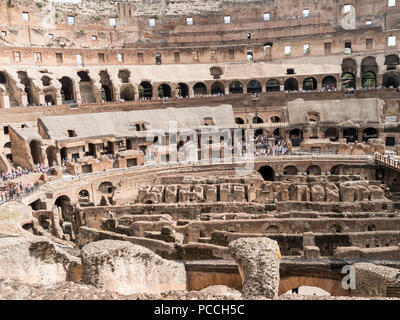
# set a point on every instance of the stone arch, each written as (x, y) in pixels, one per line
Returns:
(349, 66)
(254, 86)
(127, 92)
(3, 77)
(83, 197)
(310, 84)
(29, 89)
(313, 170)
(275, 119)
(36, 152)
(164, 91)
(332, 134)
(335, 170)
(67, 90)
(239, 120)
(107, 88)
(235, 87)
(369, 70)
(296, 136)
(257, 120)
(145, 90)
(267, 173)
(50, 97)
(329, 83)
(124, 75)
(86, 87)
(350, 134)
(182, 90)
(272, 229)
(391, 62)
(216, 72)
(51, 153)
(290, 171)
(217, 88)
(369, 133)
(391, 79)
(64, 202)
(199, 89)
(348, 81)
(273, 85)
(46, 81)
(334, 287)
(106, 187)
(291, 84)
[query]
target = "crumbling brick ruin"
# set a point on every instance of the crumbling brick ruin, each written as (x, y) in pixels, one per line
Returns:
(190, 128)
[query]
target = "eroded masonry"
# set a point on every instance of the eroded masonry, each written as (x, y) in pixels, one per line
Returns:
(184, 135)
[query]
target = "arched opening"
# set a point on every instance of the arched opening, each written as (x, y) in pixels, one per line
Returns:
(49, 99)
(3, 78)
(332, 134)
(368, 80)
(335, 170)
(273, 85)
(46, 81)
(370, 133)
(86, 87)
(308, 291)
(290, 171)
(369, 70)
(296, 136)
(199, 89)
(350, 134)
(348, 81)
(254, 86)
(107, 89)
(349, 66)
(217, 88)
(313, 171)
(239, 120)
(392, 61)
(309, 84)
(267, 173)
(235, 87)
(183, 90)
(291, 84)
(329, 83)
(34, 145)
(145, 90)
(275, 119)
(391, 79)
(164, 91)
(64, 203)
(272, 229)
(127, 92)
(51, 153)
(257, 120)
(83, 197)
(63, 153)
(29, 88)
(124, 75)
(67, 90)
(106, 187)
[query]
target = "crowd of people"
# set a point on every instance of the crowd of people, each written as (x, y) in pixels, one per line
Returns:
(16, 173)
(10, 191)
(273, 146)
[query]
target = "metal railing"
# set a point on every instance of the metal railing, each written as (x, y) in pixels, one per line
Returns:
(387, 162)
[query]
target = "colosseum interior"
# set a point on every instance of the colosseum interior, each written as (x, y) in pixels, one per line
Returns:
(181, 127)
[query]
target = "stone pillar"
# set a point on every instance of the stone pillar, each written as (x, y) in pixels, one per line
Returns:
(42, 99)
(359, 133)
(5, 101)
(24, 100)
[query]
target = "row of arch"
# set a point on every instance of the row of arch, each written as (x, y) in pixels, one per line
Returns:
(268, 173)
